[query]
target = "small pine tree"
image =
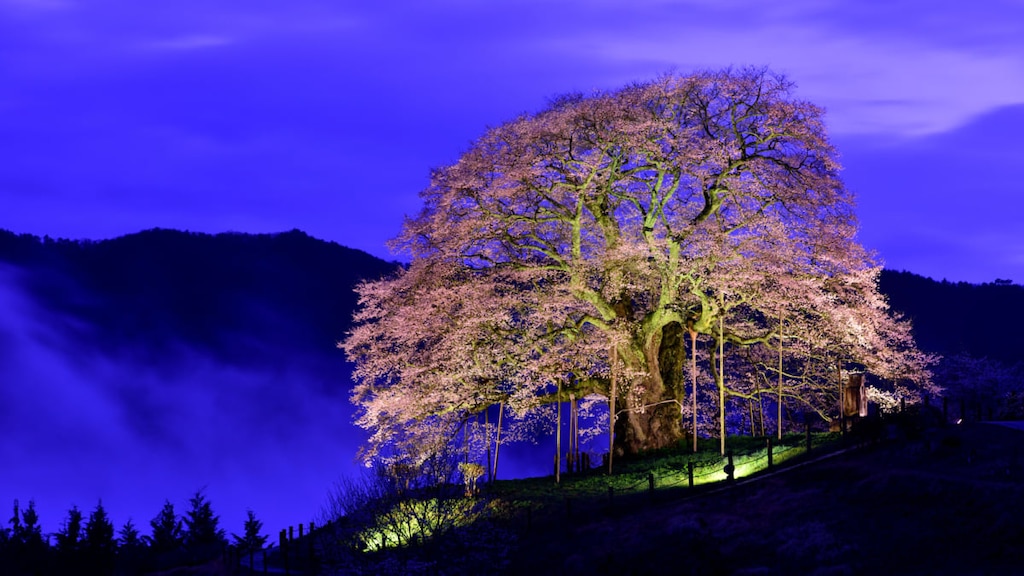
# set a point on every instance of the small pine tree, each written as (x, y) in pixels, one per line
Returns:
(15, 521)
(203, 537)
(167, 531)
(128, 536)
(26, 549)
(31, 532)
(131, 551)
(69, 539)
(98, 543)
(252, 540)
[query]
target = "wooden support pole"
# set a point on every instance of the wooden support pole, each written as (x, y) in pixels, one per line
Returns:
(807, 422)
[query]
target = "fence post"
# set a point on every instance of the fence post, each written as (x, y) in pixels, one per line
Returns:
(650, 482)
(284, 557)
(284, 549)
(807, 422)
(312, 550)
(729, 468)
(769, 452)
(689, 471)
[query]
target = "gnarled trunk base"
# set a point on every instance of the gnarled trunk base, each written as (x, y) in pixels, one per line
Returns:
(658, 422)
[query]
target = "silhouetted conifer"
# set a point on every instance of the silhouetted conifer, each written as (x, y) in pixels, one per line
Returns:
(68, 550)
(167, 534)
(131, 552)
(128, 536)
(203, 537)
(252, 539)
(98, 542)
(26, 549)
(15, 521)
(25, 530)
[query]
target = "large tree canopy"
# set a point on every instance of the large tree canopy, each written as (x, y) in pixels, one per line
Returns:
(573, 250)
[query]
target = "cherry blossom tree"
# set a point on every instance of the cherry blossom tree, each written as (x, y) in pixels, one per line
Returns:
(832, 325)
(977, 382)
(570, 252)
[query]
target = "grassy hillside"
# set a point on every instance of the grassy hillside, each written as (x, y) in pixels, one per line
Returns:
(943, 501)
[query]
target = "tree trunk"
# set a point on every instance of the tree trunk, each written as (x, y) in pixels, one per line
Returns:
(656, 422)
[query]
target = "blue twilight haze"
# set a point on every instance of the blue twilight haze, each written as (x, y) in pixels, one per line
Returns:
(118, 116)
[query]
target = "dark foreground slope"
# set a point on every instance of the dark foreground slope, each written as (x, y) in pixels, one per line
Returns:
(949, 503)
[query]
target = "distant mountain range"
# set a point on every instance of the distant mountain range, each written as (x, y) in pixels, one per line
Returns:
(144, 367)
(246, 299)
(982, 320)
(240, 296)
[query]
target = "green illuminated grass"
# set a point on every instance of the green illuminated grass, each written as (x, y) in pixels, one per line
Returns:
(415, 520)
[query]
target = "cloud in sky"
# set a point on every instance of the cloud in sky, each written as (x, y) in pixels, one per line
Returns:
(949, 204)
(192, 42)
(880, 71)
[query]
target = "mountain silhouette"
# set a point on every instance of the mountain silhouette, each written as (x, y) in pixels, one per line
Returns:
(246, 299)
(144, 367)
(982, 320)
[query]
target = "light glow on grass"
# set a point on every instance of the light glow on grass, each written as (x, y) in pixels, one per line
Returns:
(412, 520)
(745, 465)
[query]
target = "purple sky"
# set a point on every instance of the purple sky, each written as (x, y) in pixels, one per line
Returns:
(267, 116)
(117, 116)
